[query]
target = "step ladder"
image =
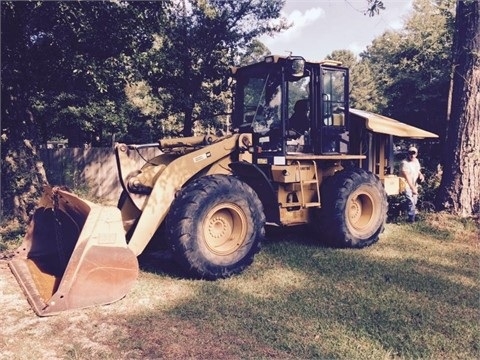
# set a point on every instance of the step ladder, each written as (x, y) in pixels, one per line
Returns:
(304, 184)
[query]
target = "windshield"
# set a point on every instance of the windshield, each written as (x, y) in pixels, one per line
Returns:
(262, 102)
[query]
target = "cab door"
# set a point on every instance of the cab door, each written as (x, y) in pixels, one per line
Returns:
(333, 118)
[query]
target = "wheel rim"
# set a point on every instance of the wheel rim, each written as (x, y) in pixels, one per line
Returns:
(360, 211)
(225, 229)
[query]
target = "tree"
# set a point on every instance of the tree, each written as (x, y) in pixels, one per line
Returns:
(460, 185)
(83, 70)
(410, 67)
(22, 172)
(374, 7)
(363, 90)
(200, 42)
(254, 52)
(459, 190)
(63, 73)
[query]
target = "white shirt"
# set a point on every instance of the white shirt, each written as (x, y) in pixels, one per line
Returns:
(411, 169)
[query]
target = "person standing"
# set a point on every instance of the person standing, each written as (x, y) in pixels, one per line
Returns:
(410, 171)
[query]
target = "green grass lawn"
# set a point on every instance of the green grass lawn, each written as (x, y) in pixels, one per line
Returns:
(413, 295)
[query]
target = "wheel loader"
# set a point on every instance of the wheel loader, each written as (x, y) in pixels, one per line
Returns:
(296, 155)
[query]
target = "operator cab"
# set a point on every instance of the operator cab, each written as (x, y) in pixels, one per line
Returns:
(292, 106)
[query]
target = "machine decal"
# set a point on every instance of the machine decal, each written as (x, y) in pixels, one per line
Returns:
(279, 160)
(202, 157)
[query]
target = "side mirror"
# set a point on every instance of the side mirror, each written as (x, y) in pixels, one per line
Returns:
(296, 70)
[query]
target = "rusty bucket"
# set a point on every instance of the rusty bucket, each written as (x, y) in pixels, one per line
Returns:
(74, 255)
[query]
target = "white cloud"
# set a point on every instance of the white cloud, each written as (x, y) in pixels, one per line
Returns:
(356, 48)
(304, 19)
(396, 24)
(300, 21)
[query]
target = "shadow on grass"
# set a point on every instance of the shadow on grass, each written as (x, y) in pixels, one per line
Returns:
(299, 300)
(158, 259)
(161, 262)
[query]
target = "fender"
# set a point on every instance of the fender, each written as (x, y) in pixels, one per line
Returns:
(172, 179)
(258, 181)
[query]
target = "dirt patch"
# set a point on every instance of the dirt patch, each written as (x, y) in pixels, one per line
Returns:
(19, 322)
(136, 327)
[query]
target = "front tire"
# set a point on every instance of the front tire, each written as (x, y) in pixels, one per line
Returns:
(354, 208)
(215, 226)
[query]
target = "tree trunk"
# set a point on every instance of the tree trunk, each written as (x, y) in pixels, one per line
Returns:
(460, 187)
(188, 122)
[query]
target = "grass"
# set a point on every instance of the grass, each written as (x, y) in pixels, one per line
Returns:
(11, 234)
(413, 295)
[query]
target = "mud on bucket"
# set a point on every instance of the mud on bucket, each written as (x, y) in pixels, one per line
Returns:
(74, 255)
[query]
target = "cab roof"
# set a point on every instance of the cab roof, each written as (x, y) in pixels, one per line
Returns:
(275, 59)
(385, 125)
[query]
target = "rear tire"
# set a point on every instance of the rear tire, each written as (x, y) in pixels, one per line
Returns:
(215, 226)
(354, 209)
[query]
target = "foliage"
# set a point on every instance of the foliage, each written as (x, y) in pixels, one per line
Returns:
(411, 67)
(11, 233)
(67, 68)
(63, 64)
(75, 60)
(254, 52)
(79, 60)
(363, 90)
(374, 7)
(199, 42)
(135, 71)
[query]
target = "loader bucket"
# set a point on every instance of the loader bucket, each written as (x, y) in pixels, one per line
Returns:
(74, 255)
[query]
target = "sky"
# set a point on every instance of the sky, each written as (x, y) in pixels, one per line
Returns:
(321, 26)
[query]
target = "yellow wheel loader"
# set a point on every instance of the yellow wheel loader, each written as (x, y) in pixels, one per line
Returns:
(297, 154)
